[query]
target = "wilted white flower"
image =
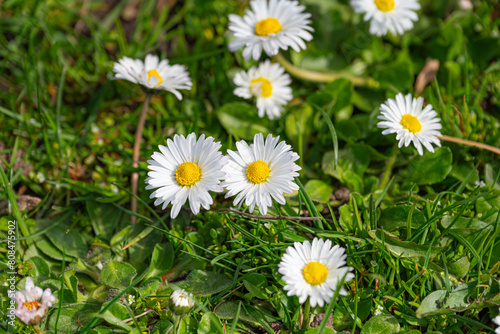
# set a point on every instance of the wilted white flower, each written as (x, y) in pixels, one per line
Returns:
(314, 271)
(186, 169)
(378, 310)
(260, 171)
(496, 321)
(405, 117)
(130, 299)
(269, 84)
(395, 16)
(154, 74)
(33, 303)
(271, 26)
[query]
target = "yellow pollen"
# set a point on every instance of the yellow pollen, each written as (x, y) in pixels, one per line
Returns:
(385, 5)
(411, 123)
(154, 73)
(266, 89)
(258, 171)
(267, 26)
(30, 305)
(315, 273)
(187, 174)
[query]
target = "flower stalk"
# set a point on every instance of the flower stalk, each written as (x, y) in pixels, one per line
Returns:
(135, 154)
(324, 77)
(456, 140)
(37, 329)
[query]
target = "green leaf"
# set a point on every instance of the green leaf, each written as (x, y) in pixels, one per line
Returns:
(104, 218)
(404, 248)
(256, 284)
(460, 267)
(397, 75)
(117, 275)
(431, 167)
(242, 121)
(149, 286)
(396, 217)
(210, 324)
(299, 124)
(205, 283)
(161, 261)
(73, 317)
(41, 266)
(327, 330)
(342, 90)
(381, 324)
(318, 190)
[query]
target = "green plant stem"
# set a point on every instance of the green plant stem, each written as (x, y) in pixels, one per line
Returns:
(388, 170)
(306, 319)
(324, 77)
(135, 154)
(37, 329)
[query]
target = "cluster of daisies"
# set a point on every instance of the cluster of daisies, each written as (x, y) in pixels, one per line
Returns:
(188, 168)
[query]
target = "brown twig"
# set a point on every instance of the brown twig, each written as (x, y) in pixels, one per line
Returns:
(267, 217)
(138, 316)
(470, 143)
(137, 149)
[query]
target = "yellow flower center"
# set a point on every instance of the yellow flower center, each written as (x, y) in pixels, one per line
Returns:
(154, 73)
(266, 89)
(34, 304)
(315, 273)
(187, 174)
(258, 171)
(411, 123)
(385, 5)
(267, 26)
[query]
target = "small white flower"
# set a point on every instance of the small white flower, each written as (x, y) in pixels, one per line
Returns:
(181, 298)
(33, 303)
(131, 299)
(395, 16)
(378, 310)
(269, 84)
(154, 74)
(406, 117)
(186, 169)
(259, 171)
(314, 271)
(496, 321)
(271, 26)
(480, 183)
(40, 177)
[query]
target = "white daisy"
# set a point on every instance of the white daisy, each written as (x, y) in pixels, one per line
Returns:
(268, 83)
(153, 74)
(186, 169)
(395, 16)
(406, 117)
(181, 298)
(496, 321)
(259, 171)
(314, 271)
(271, 26)
(33, 303)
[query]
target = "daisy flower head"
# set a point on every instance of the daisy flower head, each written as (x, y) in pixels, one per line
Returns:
(405, 117)
(186, 168)
(395, 16)
(314, 270)
(273, 25)
(33, 303)
(259, 171)
(181, 301)
(154, 74)
(269, 84)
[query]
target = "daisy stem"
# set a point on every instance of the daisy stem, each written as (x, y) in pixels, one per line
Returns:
(323, 77)
(470, 143)
(37, 329)
(306, 319)
(135, 155)
(388, 170)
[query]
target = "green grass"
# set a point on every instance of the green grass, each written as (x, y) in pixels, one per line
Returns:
(420, 231)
